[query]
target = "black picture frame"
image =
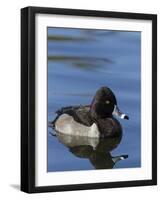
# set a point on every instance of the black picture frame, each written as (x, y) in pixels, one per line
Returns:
(28, 98)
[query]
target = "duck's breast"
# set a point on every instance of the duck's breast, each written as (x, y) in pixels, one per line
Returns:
(109, 127)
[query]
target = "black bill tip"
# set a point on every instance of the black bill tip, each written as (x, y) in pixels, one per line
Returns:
(126, 117)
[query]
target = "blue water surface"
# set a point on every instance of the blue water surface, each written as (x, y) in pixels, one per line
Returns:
(79, 62)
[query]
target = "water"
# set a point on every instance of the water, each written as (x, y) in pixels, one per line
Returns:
(79, 62)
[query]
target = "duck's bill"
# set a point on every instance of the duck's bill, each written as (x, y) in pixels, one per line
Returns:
(118, 113)
(117, 158)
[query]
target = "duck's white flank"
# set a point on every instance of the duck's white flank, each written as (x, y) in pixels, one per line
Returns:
(65, 124)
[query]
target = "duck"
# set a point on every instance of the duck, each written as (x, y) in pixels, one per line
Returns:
(95, 120)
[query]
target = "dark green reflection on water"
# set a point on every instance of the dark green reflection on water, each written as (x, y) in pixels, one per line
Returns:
(63, 38)
(85, 62)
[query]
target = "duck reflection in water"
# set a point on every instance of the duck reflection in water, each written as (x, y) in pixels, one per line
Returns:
(97, 150)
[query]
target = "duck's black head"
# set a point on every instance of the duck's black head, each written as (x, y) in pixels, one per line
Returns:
(104, 104)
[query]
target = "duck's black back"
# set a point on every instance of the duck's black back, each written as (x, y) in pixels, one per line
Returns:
(80, 114)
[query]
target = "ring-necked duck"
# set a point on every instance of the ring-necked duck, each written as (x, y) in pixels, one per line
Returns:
(95, 120)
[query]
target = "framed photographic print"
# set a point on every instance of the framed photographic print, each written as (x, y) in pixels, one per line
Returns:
(88, 99)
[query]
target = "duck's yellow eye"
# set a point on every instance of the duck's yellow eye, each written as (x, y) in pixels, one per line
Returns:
(107, 102)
